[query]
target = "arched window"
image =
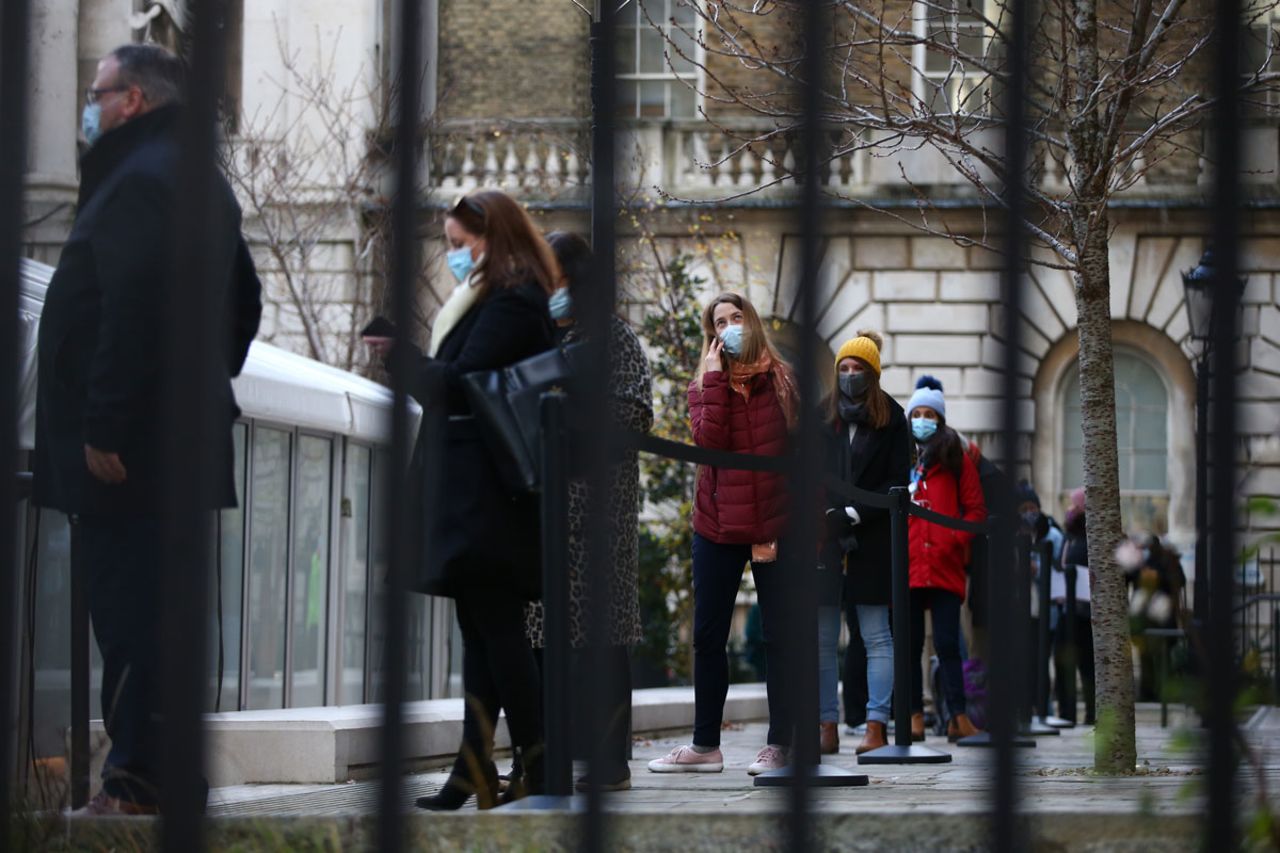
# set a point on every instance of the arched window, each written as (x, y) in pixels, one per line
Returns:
(1142, 439)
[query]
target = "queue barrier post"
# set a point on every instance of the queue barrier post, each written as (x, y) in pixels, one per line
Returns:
(558, 766)
(998, 576)
(902, 750)
(1046, 665)
(1073, 653)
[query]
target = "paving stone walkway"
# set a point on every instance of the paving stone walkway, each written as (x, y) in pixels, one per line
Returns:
(1053, 777)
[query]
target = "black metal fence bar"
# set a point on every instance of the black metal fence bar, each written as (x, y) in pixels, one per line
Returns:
(599, 307)
(400, 525)
(799, 555)
(190, 419)
(1006, 674)
(1222, 681)
(14, 47)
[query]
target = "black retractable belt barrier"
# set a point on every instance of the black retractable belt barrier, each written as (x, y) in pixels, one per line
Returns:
(902, 750)
(1044, 662)
(558, 790)
(1028, 653)
(999, 605)
(1069, 640)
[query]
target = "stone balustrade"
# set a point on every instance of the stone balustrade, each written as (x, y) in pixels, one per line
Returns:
(703, 161)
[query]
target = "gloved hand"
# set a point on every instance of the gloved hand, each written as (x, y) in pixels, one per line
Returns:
(838, 524)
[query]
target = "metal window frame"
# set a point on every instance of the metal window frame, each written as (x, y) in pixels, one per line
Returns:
(670, 76)
(958, 83)
(298, 434)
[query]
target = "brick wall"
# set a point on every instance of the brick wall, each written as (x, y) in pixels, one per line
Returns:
(512, 59)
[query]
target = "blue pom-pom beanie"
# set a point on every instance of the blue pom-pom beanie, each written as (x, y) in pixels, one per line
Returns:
(928, 393)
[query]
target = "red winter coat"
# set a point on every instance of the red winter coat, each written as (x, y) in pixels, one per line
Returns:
(939, 554)
(738, 507)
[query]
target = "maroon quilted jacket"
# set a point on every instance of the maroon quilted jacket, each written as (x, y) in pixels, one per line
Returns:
(738, 507)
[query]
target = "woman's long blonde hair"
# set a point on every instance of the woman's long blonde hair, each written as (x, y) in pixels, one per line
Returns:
(755, 344)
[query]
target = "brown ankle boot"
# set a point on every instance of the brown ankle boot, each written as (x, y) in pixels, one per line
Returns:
(874, 739)
(917, 726)
(828, 738)
(961, 726)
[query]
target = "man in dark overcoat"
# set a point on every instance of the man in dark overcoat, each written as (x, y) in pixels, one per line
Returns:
(99, 443)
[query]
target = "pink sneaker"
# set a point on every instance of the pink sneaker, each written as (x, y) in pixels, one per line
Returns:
(685, 759)
(770, 758)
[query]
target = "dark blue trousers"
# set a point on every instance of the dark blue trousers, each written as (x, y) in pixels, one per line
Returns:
(717, 572)
(120, 558)
(946, 642)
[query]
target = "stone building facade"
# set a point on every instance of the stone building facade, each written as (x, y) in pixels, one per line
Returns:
(506, 100)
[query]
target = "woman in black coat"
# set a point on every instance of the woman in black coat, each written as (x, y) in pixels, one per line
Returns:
(871, 451)
(480, 543)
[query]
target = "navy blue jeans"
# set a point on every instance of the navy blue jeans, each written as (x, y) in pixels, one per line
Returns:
(717, 572)
(120, 558)
(946, 641)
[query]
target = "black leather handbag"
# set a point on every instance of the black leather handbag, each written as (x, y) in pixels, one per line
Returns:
(506, 404)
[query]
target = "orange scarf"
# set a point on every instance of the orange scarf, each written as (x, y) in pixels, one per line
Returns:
(784, 385)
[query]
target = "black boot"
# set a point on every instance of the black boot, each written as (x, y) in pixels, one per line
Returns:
(531, 777)
(461, 785)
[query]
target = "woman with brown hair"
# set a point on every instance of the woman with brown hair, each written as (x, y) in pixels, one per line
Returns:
(744, 400)
(871, 450)
(480, 542)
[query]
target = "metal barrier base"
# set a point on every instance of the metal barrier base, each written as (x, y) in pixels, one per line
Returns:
(984, 739)
(1056, 722)
(1039, 728)
(547, 803)
(894, 754)
(822, 776)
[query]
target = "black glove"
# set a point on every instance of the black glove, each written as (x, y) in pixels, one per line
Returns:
(838, 524)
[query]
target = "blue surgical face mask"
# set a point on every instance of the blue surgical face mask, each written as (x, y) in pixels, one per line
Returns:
(560, 304)
(91, 123)
(460, 263)
(923, 428)
(732, 339)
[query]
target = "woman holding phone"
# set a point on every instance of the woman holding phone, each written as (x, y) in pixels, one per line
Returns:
(744, 400)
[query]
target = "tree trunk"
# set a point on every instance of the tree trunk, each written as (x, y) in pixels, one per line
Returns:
(1114, 748)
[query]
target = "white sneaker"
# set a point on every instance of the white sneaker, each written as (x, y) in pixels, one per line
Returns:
(686, 759)
(770, 758)
(858, 730)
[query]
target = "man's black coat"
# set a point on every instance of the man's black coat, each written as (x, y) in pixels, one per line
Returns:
(102, 330)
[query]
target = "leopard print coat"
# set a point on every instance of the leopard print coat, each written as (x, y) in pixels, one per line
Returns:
(631, 387)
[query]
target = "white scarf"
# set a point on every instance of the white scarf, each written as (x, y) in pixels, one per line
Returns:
(454, 309)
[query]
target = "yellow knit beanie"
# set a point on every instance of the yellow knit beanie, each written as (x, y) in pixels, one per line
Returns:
(866, 347)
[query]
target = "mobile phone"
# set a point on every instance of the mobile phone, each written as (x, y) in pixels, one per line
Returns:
(379, 327)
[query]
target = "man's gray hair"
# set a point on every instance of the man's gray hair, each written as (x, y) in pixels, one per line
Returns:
(156, 71)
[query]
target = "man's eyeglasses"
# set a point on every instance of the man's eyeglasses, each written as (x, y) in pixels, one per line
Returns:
(91, 94)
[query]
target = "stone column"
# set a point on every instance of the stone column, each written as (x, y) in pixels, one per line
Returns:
(53, 117)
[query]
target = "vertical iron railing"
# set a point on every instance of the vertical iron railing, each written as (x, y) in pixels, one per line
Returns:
(599, 306)
(1222, 681)
(800, 555)
(189, 418)
(400, 527)
(1007, 675)
(14, 48)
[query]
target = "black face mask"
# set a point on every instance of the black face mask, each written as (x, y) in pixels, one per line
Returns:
(852, 404)
(853, 386)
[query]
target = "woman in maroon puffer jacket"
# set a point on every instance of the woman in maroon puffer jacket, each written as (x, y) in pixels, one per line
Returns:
(743, 400)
